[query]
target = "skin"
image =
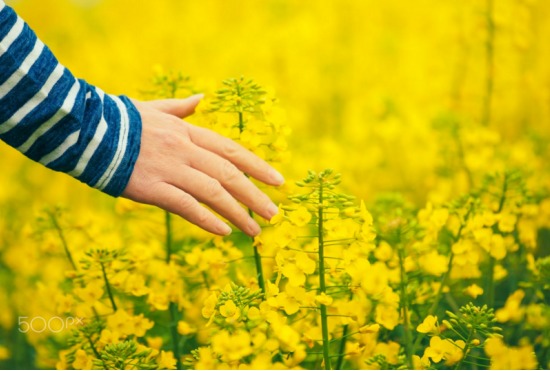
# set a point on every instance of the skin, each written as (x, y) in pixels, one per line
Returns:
(181, 165)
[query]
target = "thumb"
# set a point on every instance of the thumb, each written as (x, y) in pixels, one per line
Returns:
(177, 107)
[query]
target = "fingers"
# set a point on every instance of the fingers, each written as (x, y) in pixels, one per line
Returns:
(181, 165)
(233, 180)
(210, 191)
(245, 160)
(177, 107)
(178, 202)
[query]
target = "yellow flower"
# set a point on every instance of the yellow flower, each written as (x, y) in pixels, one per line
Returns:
(421, 363)
(82, 360)
(283, 300)
(135, 285)
(300, 216)
(253, 314)
(497, 247)
(279, 217)
(473, 291)
(121, 322)
(207, 360)
(512, 310)
(384, 251)
(154, 342)
(387, 316)
(158, 300)
(232, 347)
(365, 214)
(390, 350)
(141, 325)
(285, 234)
(507, 222)
(108, 337)
(166, 360)
(184, 328)
(323, 299)
(230, 311)
(4, 353)
(313, 335)
(91, 292)
(510, 358)
(429, 325)
(538, 316)
(289, 339)
(337, 229)
(375, 279)
(296, 272)
(369, 329)
(209, 307)
(433, 263)
(64, 303)
(446, 349)
(455, 352)
(354, 349)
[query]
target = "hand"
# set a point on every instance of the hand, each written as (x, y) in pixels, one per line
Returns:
(180, 164)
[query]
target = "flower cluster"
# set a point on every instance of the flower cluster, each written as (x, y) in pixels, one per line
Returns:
(333, 281)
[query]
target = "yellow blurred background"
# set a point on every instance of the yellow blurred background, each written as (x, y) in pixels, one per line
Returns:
(362, 81)
(423, 98)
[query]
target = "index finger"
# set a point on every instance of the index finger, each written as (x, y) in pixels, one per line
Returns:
(245, 160)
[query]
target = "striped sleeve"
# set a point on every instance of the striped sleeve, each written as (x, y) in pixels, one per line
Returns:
(58, 120)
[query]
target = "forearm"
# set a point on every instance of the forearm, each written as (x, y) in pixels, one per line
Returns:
(60, 121)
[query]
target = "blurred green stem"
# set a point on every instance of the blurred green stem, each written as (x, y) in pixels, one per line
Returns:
(173, 308)
(489, 67)
(322, 283)
(257, 256)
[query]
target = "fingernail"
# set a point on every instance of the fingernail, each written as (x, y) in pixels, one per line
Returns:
(277, 177)
(253, 228)
(199, 96)
(272, 210)
(224, 229)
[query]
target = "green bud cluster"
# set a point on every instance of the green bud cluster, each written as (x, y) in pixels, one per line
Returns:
(169, 84)
(102, 256)
(121, 356)
(241, 296)
(238, 95)
(474, 321)
(327, 180)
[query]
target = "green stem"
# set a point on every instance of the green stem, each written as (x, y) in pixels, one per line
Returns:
(489, 56)
(174, 333)
(168, 223)
(94, 350)
(340, 361)
(404, 306)
(490, 283)
(257, 255)
(322, 283)
(66, 248)
(173, 309)
(258, 261)
(62, 238)
(490, 288)
(465, 350)
(439, 294)
(241, 122)
(108, 286)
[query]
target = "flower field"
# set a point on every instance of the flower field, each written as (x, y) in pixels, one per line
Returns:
(413, 228)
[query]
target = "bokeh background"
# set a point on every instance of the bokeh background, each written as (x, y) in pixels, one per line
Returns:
(362, 81)
(422, 98)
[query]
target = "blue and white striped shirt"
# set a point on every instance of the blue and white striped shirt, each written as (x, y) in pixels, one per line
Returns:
(58, 120)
